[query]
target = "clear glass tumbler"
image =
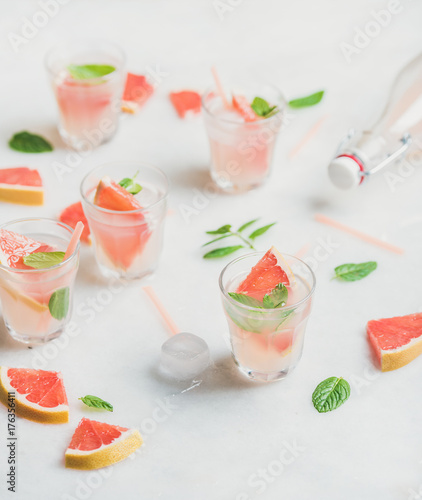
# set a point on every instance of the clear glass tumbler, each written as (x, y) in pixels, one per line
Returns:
(267, 343)
(37, 303)
(241, 152)
(127, 243)
(88, 107)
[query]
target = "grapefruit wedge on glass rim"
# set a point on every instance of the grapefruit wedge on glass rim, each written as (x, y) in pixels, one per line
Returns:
(96, 444)
(122, 243)
(396, 341)
(271, 270)
(39, 395)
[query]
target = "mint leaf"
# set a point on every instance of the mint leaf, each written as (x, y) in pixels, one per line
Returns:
(354, 272)
(260, 231)
(96, 402)
(130, 185)
(221, 230)
(261, 107)
(43, 260)
(222, 252)
(246, 225)
(25, 142)
(59, 303)
(310, 100)
(330, 394)
(88, 71)
(246, 300)
(217, 239)
(277, 297)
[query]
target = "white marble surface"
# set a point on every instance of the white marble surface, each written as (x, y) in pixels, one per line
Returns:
(216, 438)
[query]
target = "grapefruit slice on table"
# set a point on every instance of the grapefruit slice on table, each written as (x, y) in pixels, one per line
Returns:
(71, 215)
(97, 444)
(14, 246)
(396, 341)
(21, 185)
(137, 91)
(123, 244)
(186, 102)
(271, 270)
(243, 107)
(39, 395)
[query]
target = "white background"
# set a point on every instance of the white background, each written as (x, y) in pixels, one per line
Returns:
(219, 435)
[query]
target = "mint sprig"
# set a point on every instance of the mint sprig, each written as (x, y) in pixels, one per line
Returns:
(354, 272)
(87, 71)
(304, 102)
(59, 303)
(43, 260)
(130, 185)
(273, 300)
(25, 142)
(96, 402)
(262, 108)
(226, 231)
(330, 394)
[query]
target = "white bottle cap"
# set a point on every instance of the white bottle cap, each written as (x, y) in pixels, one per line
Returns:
(344, 172)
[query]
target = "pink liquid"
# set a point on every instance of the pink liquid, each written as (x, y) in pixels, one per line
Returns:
(25, 297)
(241, 153)
(129, 244)
(88, 109)
(275, 344)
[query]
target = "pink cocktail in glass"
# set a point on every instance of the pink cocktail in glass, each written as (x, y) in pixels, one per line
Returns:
(88, 105)
(128, 235)
(241, 150)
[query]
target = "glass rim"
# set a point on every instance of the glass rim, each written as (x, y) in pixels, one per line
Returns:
(68, 43)
(46, 269)
(281, 97)
(265, 310)
(136, 210)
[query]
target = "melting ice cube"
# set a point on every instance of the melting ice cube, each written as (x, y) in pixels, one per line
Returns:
(184, 356)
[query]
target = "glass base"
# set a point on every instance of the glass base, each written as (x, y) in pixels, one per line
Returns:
(232, 188)
(83, 144)
(124, 275)
(26, 339)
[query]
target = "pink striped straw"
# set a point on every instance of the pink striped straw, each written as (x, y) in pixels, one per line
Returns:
(220, 89)
(74, 240)
(358, 234)
(171, 325)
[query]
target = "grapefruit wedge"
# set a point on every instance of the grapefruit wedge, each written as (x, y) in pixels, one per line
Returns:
(112, 196)
(71, 215)
(122, 243)
(39, 395)
(186, 102)
(271, 270)
(137, 92)
(21, 185)
(97, 444)
(14, 246)
(243, 107)
(396, 341)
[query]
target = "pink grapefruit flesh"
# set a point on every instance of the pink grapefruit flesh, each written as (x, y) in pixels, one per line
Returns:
(242, 106)
(14, 246)
(98, 444)
(396, 341)
(137, 91)
(265, 275)
(71, 215)
(21, 185)
(39, 394)
(186, 102)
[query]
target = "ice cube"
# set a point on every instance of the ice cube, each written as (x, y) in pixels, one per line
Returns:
(184, 356)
